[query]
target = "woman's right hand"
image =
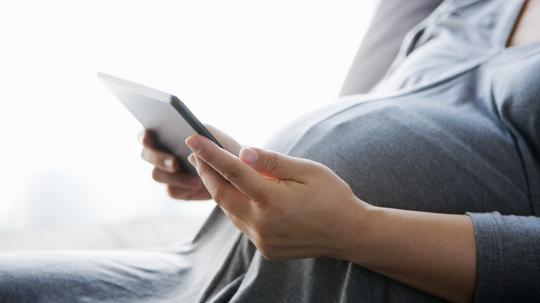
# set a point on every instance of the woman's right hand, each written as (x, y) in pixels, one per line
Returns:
(167, 170)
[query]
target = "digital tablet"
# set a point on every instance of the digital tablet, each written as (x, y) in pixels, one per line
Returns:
(163, 114)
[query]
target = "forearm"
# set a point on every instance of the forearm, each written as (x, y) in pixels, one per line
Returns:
(432, 252)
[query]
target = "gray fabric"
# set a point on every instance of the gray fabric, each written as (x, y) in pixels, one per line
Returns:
(453, 129)
(508, 258)
(181, 274)
(391, 22)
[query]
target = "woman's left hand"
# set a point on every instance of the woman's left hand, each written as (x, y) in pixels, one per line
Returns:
(288, 207)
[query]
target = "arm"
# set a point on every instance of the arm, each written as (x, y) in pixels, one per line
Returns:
(433, 252)
(295, 208)
(441, 254)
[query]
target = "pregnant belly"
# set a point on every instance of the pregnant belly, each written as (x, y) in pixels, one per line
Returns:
(414, 154)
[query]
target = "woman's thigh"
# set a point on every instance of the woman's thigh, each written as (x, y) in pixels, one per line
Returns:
(100, 276)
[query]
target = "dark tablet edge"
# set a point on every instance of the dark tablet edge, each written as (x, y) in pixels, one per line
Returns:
(190, 118)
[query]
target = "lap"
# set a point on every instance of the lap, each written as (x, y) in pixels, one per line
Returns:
(100, 276)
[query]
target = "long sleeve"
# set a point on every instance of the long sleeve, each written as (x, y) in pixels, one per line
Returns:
(508, 252)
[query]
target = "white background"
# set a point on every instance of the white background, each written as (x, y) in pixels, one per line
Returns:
(69, 151)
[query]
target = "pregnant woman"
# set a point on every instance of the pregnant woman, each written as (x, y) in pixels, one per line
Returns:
(426, 190)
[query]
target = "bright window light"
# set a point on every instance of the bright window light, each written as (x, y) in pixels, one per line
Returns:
(69, 149)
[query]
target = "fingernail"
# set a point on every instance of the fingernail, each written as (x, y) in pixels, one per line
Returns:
(193, 144)
(191, 160)
(168, 163)
(249, 155)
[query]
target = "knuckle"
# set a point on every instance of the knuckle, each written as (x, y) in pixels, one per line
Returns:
(262, 195)
(202, 171)
(272, 162)
(206, 156)
(159, 158)
(156, 174)
(218, 194)
(234, 173)
(171, 191)
(188, 196)
(175, 192)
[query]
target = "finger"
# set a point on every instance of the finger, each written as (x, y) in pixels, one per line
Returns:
(276, 165)
(244, 177)
(225, 140)
(225, 194)
(187, 194)
(160, 159)
(146, 138)
(176, 179)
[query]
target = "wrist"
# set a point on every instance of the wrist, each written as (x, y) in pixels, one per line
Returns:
(358, 225)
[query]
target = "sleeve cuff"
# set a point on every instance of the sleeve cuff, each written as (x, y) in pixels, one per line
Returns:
(488, 257)
(508, 257)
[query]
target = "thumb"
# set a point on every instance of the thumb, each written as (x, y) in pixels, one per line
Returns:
(273, 164)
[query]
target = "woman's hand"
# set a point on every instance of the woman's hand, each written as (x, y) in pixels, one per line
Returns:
(293, 208)
(180, 185)
(288, 207)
